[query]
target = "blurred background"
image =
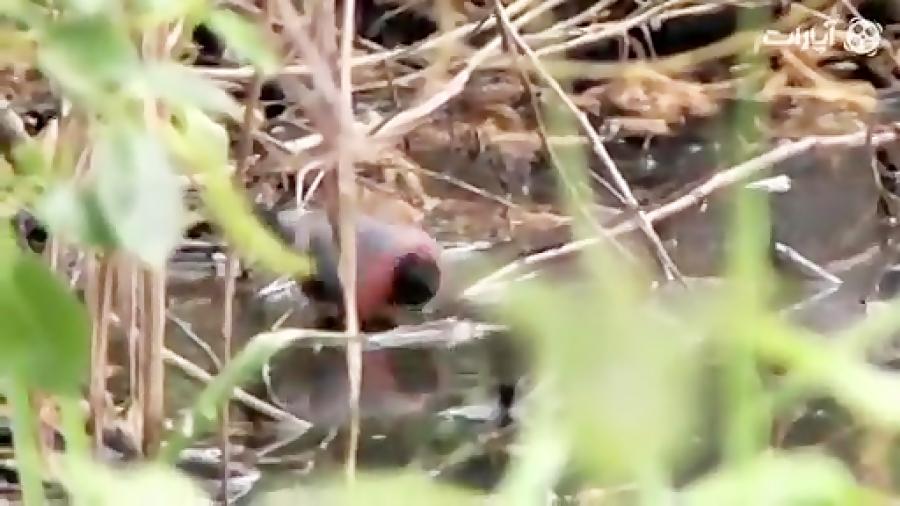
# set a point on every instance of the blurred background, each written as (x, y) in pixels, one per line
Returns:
(449, 252)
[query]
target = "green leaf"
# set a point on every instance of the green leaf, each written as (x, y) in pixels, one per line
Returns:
(616, 367)
(231, 211)
(132, 199)
(779, 479)
(198, 140)
(74, 214)
(206, 408)
(244, 38)
(202, 144)
(91, 57)
(538, 466)
(89, 483)
(181, 86)
(155, 12)
(30, 159)
(44, 330)
(90, 7)
(23, 11)
(871, 393)
(139, 193)
(377, 489)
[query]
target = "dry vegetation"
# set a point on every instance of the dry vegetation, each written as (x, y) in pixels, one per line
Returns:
(140, 134)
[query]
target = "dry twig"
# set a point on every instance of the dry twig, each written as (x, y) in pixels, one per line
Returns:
(347, 209)
(720, 180)
(597, 144)
(256, 404)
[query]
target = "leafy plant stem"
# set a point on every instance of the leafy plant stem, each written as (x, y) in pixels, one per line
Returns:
(73, 426)
(206, 408)
(25, 441)
(653, 488)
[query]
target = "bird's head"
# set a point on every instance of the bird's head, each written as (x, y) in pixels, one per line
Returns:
(416, 280)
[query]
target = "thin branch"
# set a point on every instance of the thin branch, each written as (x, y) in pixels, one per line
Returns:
(423, 47)
(467, 187)
(244, 154)
(152, 395)
(195, 339)
(227, 335)
(100, 283)
(565, 24)
(718, 181)
(256, 404)
(408, 119)
(804, 264)
(347, 215)
(612, 31)
(513, 47)
(597, 144)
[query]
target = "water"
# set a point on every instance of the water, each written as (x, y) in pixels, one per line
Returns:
(433, 403)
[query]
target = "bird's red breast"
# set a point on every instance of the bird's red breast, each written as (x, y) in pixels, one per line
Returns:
(397, 263)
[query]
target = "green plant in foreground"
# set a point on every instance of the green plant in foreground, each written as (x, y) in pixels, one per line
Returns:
(618, 371)
(129, 199)
(620, 375)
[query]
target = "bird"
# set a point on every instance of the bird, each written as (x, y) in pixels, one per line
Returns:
(398, 263)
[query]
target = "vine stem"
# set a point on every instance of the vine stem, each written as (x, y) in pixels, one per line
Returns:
(25, 442)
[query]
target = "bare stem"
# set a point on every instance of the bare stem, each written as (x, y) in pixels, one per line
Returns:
(722, 179)
(227, 332)
(347, 209)
(101, 305)
(152, 360)
(624, 191)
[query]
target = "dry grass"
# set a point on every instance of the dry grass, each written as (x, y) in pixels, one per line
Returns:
(478, 84)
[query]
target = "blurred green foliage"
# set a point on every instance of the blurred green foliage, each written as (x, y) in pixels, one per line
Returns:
(44, 328)
(131, 199)
(619, 372)
(152, 125)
